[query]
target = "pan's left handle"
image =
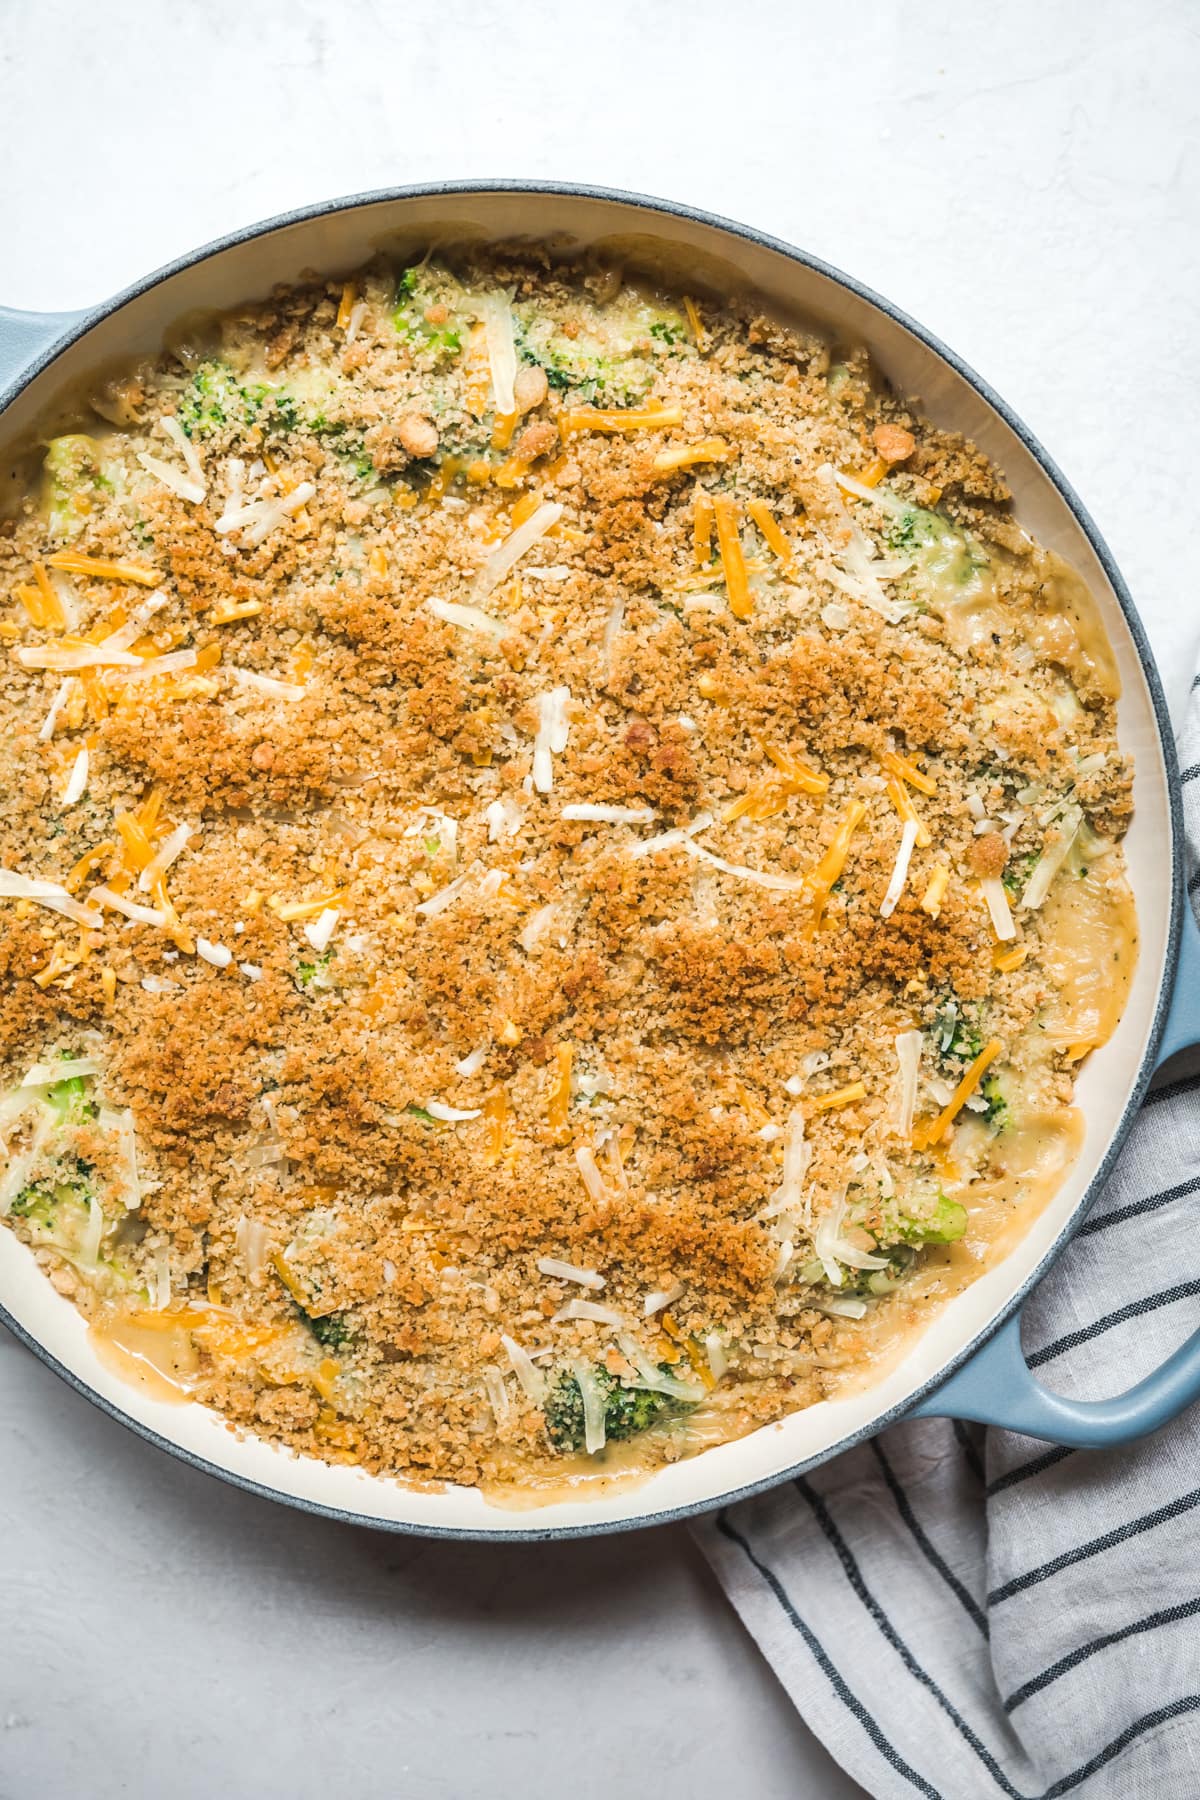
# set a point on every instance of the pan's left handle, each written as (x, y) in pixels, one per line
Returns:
(25, 339)
(996, 1387)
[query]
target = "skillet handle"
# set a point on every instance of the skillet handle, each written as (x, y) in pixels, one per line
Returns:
(996, 1387)
(26, 336)
(1182, 1027)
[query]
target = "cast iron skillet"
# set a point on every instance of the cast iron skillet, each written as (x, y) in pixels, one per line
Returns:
(968, 1362)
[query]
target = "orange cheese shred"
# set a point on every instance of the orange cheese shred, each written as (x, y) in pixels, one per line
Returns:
(924, 1136)
(733, 562)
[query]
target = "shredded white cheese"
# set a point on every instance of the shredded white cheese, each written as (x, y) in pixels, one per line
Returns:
(1052, 858)
(529, 1376)
(534, 926)
(589, 1309)
(593, 1181)
(78, 778)
(64, 657)
(782, 884)
(471, 1065)
(909, 1045)
(46, 729)
(470, 618)
(168, 851)
(505, 555)
(496, 314)
(144, 915)
(565, 1271)
(895, 887)
(267, 684)
(611, 815)
(437, 903)
(217, 954)
(321, 929)
(504, 818)
(497, 1393)
(48, 894)
(668, 840)
(258, 518)
(68, 1069)
(451, 1115)
(554, 728)
(662, 1298)
(992, 889)
(592, 1395)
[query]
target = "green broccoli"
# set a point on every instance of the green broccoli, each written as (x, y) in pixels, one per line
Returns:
(69, 1100)
(627, 1410)
(409, 321)
(332, 1330)
(997, 1106)
(942, 1223)
(216, 398)
(418, 1112)
(314, 972)
(954, 1036)
(71, 463)
(1017, 872)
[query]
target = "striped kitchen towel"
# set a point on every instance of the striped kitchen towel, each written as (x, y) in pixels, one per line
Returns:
(961, 1612)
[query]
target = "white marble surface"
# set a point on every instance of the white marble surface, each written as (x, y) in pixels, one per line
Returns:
(1022, 178)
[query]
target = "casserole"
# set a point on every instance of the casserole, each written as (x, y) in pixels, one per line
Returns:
(717, 256)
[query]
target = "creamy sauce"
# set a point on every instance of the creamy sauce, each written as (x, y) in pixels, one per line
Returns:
(1069, 630)
(1090, 953)
(163, 1364)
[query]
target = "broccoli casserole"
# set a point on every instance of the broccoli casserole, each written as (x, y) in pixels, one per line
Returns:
(560, 855)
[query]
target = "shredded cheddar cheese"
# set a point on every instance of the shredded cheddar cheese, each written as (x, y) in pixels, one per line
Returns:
(935, 891)
(906, 770)
(685, 456)
(71, 562)
(924, 1136)
(845, 1096)
(898, 795)
(765, 519)
(594, 418)
(733, 561)
(1005, 961)
(702, 527)
(696, 323)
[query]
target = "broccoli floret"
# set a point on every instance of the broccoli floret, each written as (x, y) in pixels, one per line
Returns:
(627, 1410)
(284, 415)
(409, 321)
(953, 1035)
(217, 398)
(1017, 872)
(668, 331)
(332, 1330)
(314, 972)
(942, 552)
(71, 462)
(56, 1211)
(69, 1100)
(945, 1223)
(997, 1105)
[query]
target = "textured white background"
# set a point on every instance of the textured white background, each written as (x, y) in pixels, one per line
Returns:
(1025, 179)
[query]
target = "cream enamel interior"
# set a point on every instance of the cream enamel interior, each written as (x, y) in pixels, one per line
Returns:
(341, 240)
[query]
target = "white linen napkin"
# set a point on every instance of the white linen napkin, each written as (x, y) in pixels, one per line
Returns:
(962, 1612)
